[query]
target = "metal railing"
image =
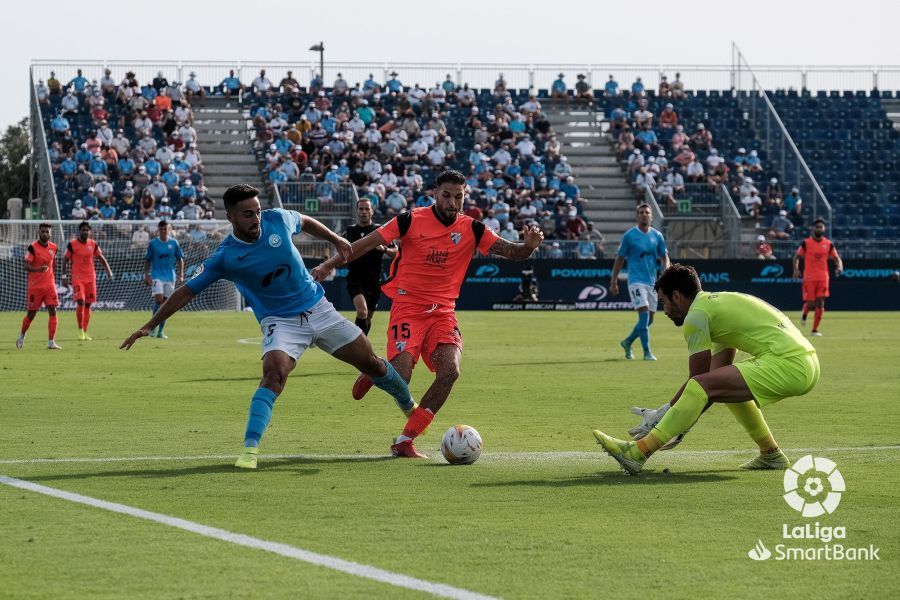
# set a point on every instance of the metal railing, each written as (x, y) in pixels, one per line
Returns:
(777, 142)
(731, 217)
(40, 160)
(332, 203)
(658, 216)
(483, 75)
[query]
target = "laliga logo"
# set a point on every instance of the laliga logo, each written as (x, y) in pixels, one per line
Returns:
(488, 270)
(814, 471)
(593, 292)
(771, 271)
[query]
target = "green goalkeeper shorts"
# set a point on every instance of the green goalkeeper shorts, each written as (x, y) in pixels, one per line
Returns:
(772, 378)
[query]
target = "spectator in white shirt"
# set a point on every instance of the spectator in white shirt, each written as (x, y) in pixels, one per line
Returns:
(491, 221)
(436, 157)
(525, 147)
(502, 157)
(261, 85)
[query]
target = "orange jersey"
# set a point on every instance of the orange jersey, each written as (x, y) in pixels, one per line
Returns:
(815, 255)
(39, 255)
(82, 255)
(433, 258)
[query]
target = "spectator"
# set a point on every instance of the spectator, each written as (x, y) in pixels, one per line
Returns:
(509, 233)
(558, 89)
(288, 84)
(491, 221)
(702, 138)
(773, 191)
(555, 251)
(665, 193)
(595, 236)
(643, 117)
(668, 118)
(665, 90)
(611, 88)
(583, 89)
(585, 249)
(637, 88)
(741, 158)
(165, 211)
(140, 239)
(763, 249)
(781, 228)
(340, 87)
(231, 85)
(679, 139)
(69, 103)
(192, 88)
(753, 164)
(78, 212)
(752, 205)
(78, 83)
(678, 87)
(695, 173)
(793, 204)
(107, 84)
(500, 86)
(575, 225)
(108, 211)
(59, 125)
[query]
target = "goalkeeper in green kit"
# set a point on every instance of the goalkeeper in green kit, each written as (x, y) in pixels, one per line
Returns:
(717, 324)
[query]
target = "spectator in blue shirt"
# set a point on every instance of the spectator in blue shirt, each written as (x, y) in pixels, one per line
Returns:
(569, 188)
(108, 211)
(79, 82)
(277, 176)
(366, 113)
(231, 84)
(60, 125)
(89, 201)
(611, 88)
(448, 85)
(149, 92)
(394, 85)
(741, 157)
(170, 177)
(83, 155)
(153, 167)
(284, 145)
(425, 199)
(328, 122)
(68, 168)
(537, 168)
(97, 166)
(558, 89)
(514, 168)
(637, 87)
(648, 138)
(370, 86)
(315, 84)
(126, 167)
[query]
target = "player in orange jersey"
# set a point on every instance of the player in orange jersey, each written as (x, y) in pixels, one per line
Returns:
(80, 253)
(436, 246)
(41, 285)
(816, 250)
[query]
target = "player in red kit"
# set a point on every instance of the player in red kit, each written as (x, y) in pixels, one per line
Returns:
(41, 285)
(436, 246)
(816, 250)
(81, 253)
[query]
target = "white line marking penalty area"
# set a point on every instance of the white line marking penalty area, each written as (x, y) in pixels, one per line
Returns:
(322, 560)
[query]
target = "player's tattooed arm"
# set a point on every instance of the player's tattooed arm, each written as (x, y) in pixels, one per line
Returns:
(519, 251)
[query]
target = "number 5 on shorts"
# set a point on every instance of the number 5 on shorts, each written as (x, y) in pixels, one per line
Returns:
(270, 330)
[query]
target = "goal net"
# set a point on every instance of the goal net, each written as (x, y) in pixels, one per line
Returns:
(124, 243)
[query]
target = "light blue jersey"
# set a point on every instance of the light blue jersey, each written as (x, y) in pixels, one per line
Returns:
(269, 272)
(162, 257)
(641, 251)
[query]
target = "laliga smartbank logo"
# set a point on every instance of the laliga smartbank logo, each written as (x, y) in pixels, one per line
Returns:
(813, 487)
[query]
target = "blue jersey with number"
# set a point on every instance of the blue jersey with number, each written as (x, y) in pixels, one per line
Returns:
(641, 251)
(269, 272)
(163, 256)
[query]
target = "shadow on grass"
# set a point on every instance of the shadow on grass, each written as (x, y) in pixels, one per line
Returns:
(293, 375)
(294, 465)
(533, 363)
(615, 478)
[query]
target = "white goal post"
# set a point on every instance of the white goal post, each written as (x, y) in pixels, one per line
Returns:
(125, 246)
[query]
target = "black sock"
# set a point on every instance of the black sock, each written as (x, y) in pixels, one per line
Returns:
(363, 324)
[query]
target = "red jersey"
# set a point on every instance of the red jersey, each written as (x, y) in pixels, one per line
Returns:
(82, 255)
(433, 258)
(815, 255)
(39, 255)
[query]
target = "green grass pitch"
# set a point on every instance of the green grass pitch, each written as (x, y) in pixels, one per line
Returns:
(542, 514)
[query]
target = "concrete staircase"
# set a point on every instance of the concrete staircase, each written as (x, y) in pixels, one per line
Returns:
(226, 147)
(610, 202)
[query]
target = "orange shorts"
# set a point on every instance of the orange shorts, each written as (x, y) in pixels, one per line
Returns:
(84, 290)
(420, 328)
(42, 297)
(815, 289)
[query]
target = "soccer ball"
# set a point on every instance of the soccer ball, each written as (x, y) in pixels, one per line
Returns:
(461, 445)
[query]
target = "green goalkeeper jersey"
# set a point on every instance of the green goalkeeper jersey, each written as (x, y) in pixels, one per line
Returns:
(720, 320)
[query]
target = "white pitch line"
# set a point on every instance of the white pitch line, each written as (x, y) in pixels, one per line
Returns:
(314, 558)
(251, 341)
(533, 456)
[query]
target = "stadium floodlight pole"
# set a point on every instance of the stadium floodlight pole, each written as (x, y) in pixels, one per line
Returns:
(320, 48)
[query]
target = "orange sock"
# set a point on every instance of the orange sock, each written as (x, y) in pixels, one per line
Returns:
(26, 323)
(820, 310)
(86, 317)
(417, 422)
(51, 327)
(79, 315)
(650, 443)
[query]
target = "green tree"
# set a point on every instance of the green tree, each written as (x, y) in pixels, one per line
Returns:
(15, 151)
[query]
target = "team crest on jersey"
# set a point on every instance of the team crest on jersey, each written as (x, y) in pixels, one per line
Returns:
(198, 271)
(455, 237)
(274, 240)
(401, 346)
